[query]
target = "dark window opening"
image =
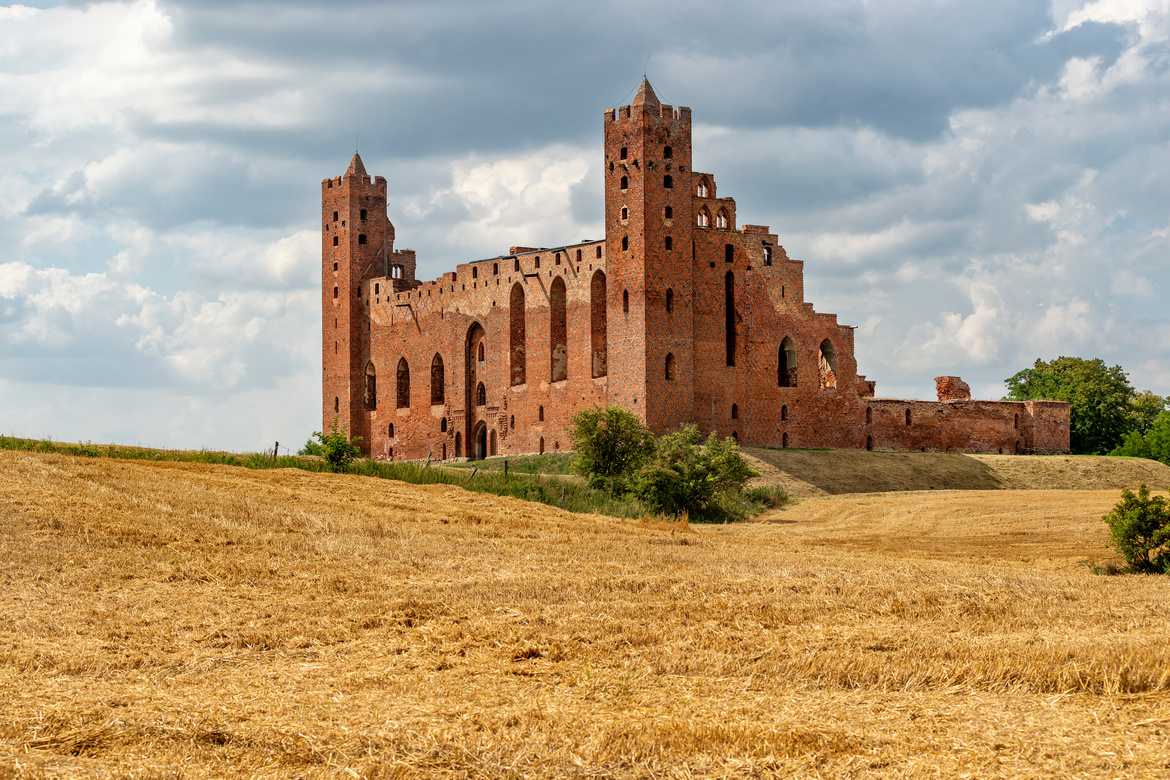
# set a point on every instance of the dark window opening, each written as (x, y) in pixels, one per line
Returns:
(735, 411)
(869, 443)
(625, 183)
(334, 292)
(516, 328)
(669, 214)
(626, 301)
(669, 243)
(767, 255)
(668, 182)
(669, 366)
(376, 287)
(481, 395)
(540, 414)
(541, 445)
(512, 422)
(479, 357)
(599, 250)
(496, 268)
(458, 445)
(907, 416)
(625, 213)
(669, 299)
(625, 243)
(438, 382)
(537, 260)
(390, 430)
(598, 327)
(335, 216)
(729, 315)
(443, 425)
(667, 153)
(362, 215)
(336, 404)
(622, 154)
(869, 415)
(735, 436)
(1016, 423)
(516, 265)
(729, 253)
(786, 364)
(784, 441)
(335, 241)
(361, 238)
(403, 384)
(558, 339)
(334, 265)
(784, 413)
(474, 272)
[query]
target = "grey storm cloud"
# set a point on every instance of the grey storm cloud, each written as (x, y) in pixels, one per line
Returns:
(973, 184)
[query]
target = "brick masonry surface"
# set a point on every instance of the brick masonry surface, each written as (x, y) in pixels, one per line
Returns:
(679, 314)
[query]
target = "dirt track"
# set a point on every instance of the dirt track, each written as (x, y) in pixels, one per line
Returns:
(809, 473)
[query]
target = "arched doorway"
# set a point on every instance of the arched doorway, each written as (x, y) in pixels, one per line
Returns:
(481, 442)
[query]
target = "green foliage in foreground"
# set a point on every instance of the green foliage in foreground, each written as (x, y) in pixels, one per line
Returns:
(675, 475)
(611, 445)
(337, 448)
(1140, 527)
(550, 491)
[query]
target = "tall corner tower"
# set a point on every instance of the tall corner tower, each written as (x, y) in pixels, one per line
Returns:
(648, 218)
(356, 238)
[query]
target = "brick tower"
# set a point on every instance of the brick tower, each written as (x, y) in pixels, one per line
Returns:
(356, 238)
(648, 242)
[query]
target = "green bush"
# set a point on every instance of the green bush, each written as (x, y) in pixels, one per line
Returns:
(338, 449)
(705, 480)
(611, 444)
(1140, 527)
(1153, 443)
(312, 448)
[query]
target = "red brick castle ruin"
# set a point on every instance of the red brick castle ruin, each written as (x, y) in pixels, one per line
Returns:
(680, 314)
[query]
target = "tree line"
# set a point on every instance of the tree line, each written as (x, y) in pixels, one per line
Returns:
(1107, 415)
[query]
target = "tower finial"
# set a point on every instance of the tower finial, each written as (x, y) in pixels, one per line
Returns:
(646, 96)
(355, 166)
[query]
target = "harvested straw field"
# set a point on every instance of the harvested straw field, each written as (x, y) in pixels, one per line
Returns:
(190, 620)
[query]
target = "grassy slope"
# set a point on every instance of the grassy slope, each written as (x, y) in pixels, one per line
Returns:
(819, 473)
(219, 621)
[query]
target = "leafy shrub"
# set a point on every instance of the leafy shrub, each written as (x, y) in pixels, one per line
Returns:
(312, 448)
(338, 449)
(702, 479)
(611, 444)
(1153, 443)
(1140, 527)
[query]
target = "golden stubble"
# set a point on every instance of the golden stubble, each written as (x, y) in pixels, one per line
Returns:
(167, 619)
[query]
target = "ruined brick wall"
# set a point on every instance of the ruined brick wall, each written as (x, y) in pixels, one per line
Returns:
(679, 315)
(451, 318)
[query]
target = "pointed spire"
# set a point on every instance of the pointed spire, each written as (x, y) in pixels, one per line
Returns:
(355, 166)
(646, 96)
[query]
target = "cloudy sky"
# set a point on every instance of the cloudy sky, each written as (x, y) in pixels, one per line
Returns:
(974, 184)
